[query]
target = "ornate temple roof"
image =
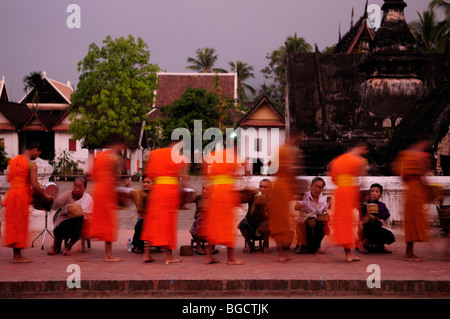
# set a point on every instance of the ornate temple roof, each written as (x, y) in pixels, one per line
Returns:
(358, 39)
(55, 96)
(263, 114)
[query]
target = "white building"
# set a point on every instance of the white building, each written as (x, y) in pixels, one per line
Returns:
(45, 118)
(263, 133)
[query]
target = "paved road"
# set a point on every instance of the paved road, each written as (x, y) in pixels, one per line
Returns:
(307, 276)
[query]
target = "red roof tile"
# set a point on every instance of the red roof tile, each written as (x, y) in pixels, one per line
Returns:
(7, 127)
(65, 90)
(171, 86)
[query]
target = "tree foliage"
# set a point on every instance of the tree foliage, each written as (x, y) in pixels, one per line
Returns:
(329, 49)
(3, 158)
(195, 104)
(442, 4)
(204, 61)
(432, 35)
(295, 44)
(34, 81)
(244, 72)
(115, 91)
(276, 69)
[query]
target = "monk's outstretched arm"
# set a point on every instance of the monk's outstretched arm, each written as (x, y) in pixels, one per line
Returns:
(35, 184)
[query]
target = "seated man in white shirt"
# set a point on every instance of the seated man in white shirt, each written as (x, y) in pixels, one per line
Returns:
(68, 228)
(311, 230)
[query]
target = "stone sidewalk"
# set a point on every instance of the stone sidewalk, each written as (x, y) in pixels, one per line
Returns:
(325, 275)
(307, 276)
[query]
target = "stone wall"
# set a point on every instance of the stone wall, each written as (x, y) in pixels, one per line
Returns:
(326, 99)
(323, 92)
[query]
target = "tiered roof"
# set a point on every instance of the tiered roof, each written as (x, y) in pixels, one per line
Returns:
(353, 40)
(263, 114)
(46, 115)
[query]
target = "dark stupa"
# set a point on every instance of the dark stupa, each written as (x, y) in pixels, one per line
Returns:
(375, 86)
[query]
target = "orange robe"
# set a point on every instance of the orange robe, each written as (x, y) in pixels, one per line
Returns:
(220, 220)
(411, 166)
(281, 196)
(104, 219)
(344, 171)
(160, 223)
(17, 203)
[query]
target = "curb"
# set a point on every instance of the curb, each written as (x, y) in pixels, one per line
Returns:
(226, 288)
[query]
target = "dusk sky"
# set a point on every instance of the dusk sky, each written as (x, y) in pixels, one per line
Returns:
(34, 35)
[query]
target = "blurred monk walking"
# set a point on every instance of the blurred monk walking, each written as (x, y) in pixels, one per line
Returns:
(220, 221)
(284, 191)
(344, 171)
(105, 219)
(22, 178)
(411, 165)
(165, 167)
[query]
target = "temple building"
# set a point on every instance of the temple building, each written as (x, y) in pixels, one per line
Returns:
(359, 38)
(263, 132)
(40, 117)
(375, 86)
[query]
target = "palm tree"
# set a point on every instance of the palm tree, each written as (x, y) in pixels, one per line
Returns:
(244, 72)
(204, 63)
(276, 70)
(34, 81)
(430, 35)
(299, 45)
(443, 4)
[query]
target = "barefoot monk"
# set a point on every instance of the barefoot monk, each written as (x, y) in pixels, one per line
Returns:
(22, 178)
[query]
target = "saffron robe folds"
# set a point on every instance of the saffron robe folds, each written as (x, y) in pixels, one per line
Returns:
(17, 203)
(281, 221)
(411, 166)
(105, 219)
(160, 223)
(220, 220)
(344, 171)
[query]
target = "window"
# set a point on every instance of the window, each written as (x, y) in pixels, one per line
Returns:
(387, 123)
(258, 144)
(72, 145)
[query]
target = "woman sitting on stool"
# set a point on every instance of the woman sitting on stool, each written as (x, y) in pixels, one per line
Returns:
(372, 235)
